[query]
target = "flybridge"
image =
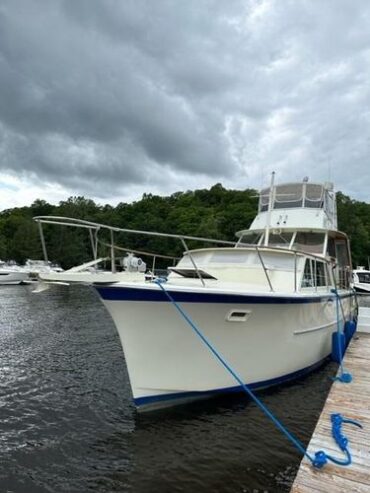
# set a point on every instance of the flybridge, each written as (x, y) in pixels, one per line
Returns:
(309, 206)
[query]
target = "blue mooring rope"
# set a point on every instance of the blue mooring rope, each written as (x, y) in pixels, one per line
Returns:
(344, 377)
(320, 458)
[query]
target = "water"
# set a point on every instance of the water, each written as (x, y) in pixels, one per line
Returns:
(67, 423)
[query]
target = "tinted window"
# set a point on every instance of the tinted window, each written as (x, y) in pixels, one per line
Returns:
(281, 240)
(315, 274)
(307, 280)
(320, 274)
(363, 277)
(309, 242)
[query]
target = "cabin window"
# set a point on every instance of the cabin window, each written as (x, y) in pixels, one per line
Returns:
(314, 196)
(249, 239)
(315, 274)
(309, 242)
(364, 277)
(296, 195)
(342, 252)
(288, 196)
(342, 267)
(337, 250)
(331, 248)
(280, 240)
(264, 200)
(320, 274)
(307, 279)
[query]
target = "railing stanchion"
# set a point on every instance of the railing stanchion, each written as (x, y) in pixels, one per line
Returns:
(93, 244)
(295, 272)
(113, 260)
(44, 251)
(192, 261)
(264, 268)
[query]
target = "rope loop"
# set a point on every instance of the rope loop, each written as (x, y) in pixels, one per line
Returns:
(344, 378)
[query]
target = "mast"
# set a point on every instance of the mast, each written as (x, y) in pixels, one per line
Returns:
(268, 220)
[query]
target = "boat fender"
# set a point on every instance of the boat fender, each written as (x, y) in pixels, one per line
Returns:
(349, 330)
(338, 345)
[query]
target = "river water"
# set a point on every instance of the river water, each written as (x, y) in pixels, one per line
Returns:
(67, 423)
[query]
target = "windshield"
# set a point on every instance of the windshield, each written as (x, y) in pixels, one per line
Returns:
(364, 277)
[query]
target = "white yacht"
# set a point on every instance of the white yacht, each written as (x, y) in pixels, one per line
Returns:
(361, 280)
(12, 273)
(37, 267)
(128, 267)
(133, 269)
(266, 302)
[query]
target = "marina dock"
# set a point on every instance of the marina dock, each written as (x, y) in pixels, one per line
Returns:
(363, 324)
(353, 402)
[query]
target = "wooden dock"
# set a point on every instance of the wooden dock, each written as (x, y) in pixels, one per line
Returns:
(363, 324)
(353, 402)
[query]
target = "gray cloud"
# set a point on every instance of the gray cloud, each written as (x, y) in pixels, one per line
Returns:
(99, 96)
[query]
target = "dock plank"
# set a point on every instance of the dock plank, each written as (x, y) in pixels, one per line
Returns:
(353, 402)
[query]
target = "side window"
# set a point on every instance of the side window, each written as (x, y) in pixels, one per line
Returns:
(315, 274)
(363, 277)
(307, 279)
(320, 274)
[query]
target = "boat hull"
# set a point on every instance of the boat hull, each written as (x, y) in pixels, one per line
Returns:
(13, 278)
(362, 288)
(280, 339)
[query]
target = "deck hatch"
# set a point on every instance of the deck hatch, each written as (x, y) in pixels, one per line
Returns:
(191, 273)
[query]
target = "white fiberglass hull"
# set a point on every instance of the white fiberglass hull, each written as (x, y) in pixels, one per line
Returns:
(13, 277)
(362, 287)
(278, 338)
(104, 277)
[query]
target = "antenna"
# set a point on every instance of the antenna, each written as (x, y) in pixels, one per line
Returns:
(268, 220)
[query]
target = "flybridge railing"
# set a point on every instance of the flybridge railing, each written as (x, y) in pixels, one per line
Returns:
(94, 229)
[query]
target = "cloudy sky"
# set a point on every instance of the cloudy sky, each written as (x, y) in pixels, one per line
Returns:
(113, 98)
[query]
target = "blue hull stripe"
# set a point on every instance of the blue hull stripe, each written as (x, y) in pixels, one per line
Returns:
(153, 399)
(113, 293)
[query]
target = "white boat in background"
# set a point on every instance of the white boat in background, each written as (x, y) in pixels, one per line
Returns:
(128, 267)
(266, 302)
(89, 273)
(361, 280)
(12, 273)
(37, 267)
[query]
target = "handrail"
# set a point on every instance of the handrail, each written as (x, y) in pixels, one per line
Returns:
(295, 272)
(82, 223)
(264, 268)
(288, 251)
(93, 226)
(74, 222)
(139, 252)
(193, 262)
(44, 251)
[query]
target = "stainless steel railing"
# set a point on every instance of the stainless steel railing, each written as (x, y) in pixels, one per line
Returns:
(94, 229)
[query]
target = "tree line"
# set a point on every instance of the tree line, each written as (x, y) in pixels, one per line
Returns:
(215, 213)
